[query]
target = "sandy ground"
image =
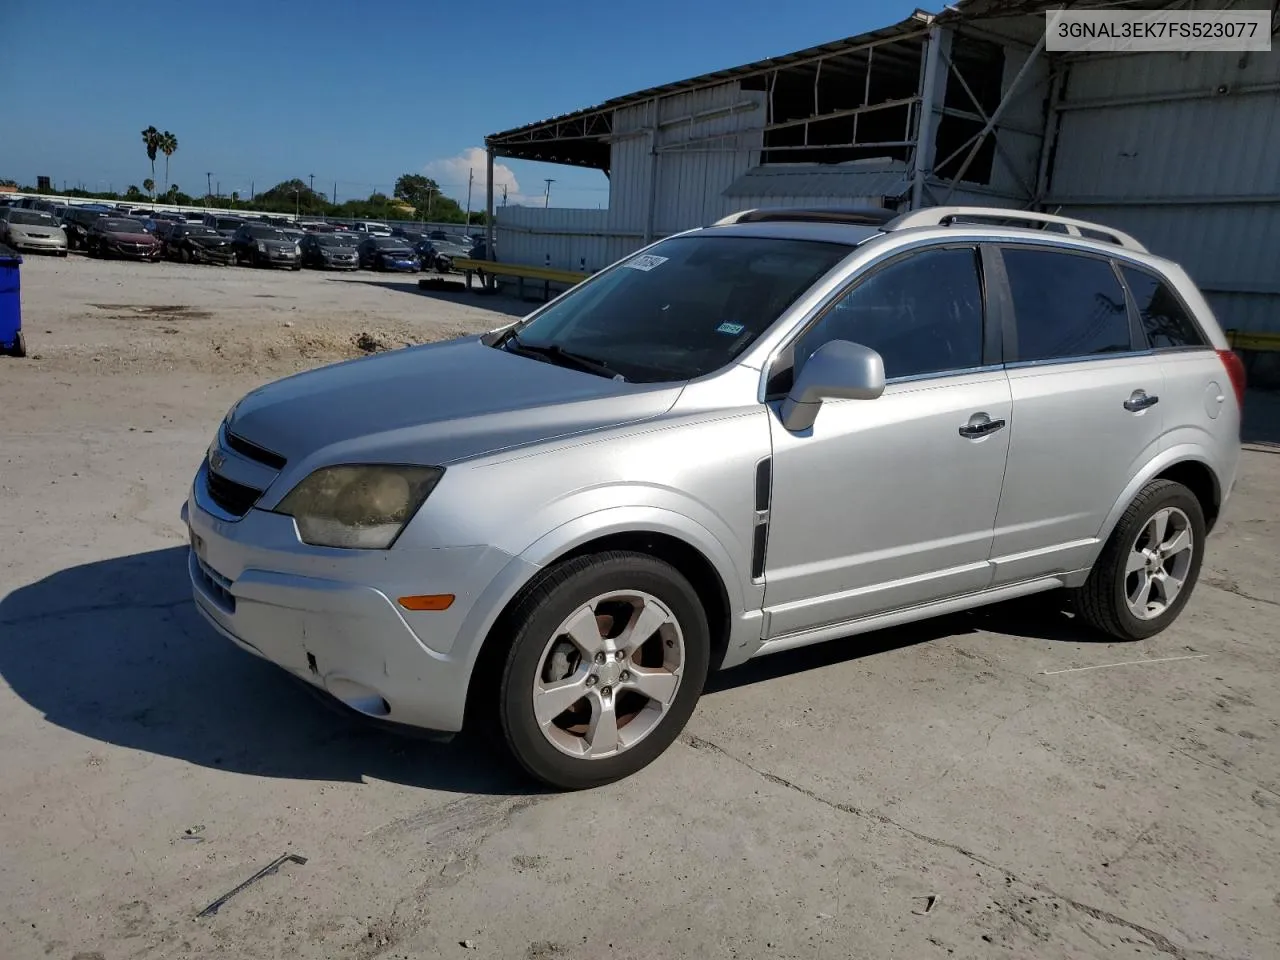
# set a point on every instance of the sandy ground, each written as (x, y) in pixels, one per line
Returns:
(1051, 804)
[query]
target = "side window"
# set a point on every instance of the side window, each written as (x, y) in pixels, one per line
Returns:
(1164, 319)
(1066, 304)
(922, 314)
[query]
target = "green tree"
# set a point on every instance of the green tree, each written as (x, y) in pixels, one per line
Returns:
(235, 197)
(133, 193)
(168, 146)
(151, 140)
(149, 185)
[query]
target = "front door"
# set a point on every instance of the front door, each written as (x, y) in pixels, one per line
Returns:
(889, 503)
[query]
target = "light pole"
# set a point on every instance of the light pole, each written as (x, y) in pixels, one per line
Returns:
(208, 186)
(546, 200)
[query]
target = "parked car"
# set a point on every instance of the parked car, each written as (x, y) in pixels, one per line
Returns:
(194, 216)
(227, 226)
(121, 237)
(789, 427)
(330, 251)
(439, 254)
(372, 227)
(481, 252)
(196, 243)
(77, 222)
(260, 245)
(388, 253)
(31, 230)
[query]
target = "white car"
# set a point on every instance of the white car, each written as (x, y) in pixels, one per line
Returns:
(32, 230)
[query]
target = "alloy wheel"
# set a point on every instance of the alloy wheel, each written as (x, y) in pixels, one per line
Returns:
(608, 675)
(1158, 563)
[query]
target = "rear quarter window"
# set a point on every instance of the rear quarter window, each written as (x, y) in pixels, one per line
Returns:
(1165, 320)
(1066, 305)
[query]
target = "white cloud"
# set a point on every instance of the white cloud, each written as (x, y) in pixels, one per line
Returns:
(451, 173)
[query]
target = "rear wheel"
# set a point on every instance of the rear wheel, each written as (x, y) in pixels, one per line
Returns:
(19, 345)
(1149, 566)
(607, 659)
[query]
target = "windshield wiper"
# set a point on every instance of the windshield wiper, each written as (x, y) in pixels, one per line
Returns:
(554, 352)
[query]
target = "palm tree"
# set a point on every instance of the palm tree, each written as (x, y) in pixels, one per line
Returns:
(168, 146)
(151, 139)
(235, 198)
(149, 185)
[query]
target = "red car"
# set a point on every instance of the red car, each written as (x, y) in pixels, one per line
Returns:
(121, 237)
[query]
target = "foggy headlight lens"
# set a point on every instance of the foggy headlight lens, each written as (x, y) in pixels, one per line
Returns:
(362, 506)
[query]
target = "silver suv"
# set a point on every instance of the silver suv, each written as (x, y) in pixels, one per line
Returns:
(787, 428)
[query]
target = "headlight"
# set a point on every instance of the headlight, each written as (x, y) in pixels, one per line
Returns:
(262, 247)
(297, 249)
(358, 505)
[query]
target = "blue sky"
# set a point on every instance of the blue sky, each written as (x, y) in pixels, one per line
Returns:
(357, 93)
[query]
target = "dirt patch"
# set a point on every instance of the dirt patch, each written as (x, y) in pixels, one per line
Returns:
(154, 311)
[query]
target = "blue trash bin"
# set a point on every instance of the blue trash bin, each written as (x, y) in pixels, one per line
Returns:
(11, 340)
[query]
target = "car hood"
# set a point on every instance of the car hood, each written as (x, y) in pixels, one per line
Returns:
(130, 237)
(25, 229)
(436, 404)
(218, 241)
(394, 251)
(338, 251)
(278, 244)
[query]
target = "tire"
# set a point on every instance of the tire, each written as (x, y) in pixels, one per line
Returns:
(19, 345)
(184, 254)
(676, 652)
(1104, 602)
(62, 253)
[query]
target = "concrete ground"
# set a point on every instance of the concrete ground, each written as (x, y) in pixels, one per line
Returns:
(999, 784)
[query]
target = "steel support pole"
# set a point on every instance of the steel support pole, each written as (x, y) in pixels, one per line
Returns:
(923, 156)
(488, 208)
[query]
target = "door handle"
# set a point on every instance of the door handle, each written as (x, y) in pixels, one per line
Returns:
(980, 425)
(1140, 400)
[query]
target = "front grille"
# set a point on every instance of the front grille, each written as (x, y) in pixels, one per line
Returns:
(234, 498)
(251, 450)
(219, 587)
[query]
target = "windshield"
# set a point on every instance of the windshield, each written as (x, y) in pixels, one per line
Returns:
(115, 225)
(268, 233)
(389, 243)
(334, 240)
(228, 223)
(31, 218)
(199, 232)
(685, 308)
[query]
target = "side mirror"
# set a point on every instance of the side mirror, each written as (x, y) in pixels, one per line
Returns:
(837, 370)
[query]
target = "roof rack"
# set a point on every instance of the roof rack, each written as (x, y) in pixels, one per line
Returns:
(946, 216)
(859, 216)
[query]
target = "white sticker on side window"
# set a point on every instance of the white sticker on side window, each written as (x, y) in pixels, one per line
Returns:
(645, 262)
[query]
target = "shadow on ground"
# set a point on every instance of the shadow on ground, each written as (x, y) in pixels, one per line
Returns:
(115, 650)
(447, 290)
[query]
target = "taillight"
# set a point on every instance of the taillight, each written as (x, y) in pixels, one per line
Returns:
(1235, 373)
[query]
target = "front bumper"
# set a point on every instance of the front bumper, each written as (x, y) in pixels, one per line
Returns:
(222, 256)
(329, 616)
(48, 244)
(400, 266)
(131, 252)
(276, 258)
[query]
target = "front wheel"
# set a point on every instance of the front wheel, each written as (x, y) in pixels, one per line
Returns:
(19, 345)
(1149, 565)
(607, 659)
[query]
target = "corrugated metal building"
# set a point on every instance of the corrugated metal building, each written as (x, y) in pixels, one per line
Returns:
(1176, 148)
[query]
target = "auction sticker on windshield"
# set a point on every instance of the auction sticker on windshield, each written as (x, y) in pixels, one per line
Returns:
(645, 262)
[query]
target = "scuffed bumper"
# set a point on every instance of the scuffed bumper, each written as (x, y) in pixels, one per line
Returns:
(329, 617)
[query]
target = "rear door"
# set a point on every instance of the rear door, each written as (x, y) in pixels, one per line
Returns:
(1086, 409)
